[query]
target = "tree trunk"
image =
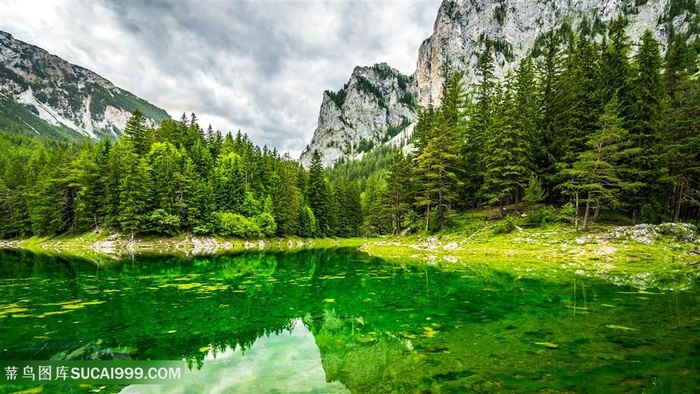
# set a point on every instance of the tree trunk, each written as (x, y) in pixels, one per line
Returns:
(515, 201)
(576, 213)
(500, 209)
(679, 202)
(635, 214)
(441, 212)
(586, 213)
(597, 210)
(427, 218)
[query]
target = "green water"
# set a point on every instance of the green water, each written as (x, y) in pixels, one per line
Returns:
(326, 321)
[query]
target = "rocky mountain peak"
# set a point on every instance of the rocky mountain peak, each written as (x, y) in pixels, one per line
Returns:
(512, 27)
(376, 104)
(63, 94)
(376, 100)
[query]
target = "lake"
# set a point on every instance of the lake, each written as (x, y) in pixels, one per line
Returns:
(338, 320)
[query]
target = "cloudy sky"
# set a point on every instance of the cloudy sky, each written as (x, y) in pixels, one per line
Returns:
(258, 66)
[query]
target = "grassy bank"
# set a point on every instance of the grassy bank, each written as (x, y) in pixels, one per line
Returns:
(101, 243)
(536, 239)
(642, 255)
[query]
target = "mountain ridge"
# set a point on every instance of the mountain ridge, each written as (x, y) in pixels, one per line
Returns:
(74, 101)
(513, 28)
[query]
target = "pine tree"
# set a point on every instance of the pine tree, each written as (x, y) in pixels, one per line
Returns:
(593, 179)
(526, 108)
(582, 99)
(438, 165)
(334, 208)
(400, 191)
(307, 222)
(317, 194)
(681, 142)
(136, 131)
(229, 183)
(164, 163)
(548, 149)
(421, 132)
(474, 134)
(615, 61)
(286, 197)
(133, 187)
(642, 122)
(89, 174)
(376, 221)
(506, 162)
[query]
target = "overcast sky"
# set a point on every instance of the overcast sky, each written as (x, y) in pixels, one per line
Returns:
(258, 66)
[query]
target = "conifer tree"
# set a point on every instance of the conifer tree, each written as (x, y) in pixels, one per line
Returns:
(137, 132)
(642, 122)
(133, 187)
(400, 191)
(681, 140)
(438, 165)
(286, 197)
(548, 149)
(480, 121)
(526, 108)
(506, 161)
(593, 179)
(317, 194)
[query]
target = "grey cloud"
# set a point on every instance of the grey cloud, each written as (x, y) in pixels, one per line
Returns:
(258, 66)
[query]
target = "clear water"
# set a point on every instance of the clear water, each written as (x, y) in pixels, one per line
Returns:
(326, 321)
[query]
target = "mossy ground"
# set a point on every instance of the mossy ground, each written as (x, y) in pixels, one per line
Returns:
(513, 243)
(473, 237)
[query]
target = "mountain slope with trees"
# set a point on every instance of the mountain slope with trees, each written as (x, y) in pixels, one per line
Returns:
(45, 95)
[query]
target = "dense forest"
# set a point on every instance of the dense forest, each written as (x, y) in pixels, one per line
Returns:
(586, 125)
(167, 180)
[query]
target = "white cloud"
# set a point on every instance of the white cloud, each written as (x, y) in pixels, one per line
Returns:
(256, 66)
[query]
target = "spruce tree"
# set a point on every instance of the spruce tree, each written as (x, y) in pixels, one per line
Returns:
(141, 137)
(317, 194)
(642, 122)
(548, 148)
(400, 191)
(134, 187)
(593, 179)
(506, 161)
(438, 165)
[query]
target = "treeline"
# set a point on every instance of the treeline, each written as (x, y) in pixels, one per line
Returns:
(166, 180)
(586, 123)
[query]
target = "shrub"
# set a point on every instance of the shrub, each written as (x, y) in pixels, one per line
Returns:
(542, 216)
(266, 223)
(567, 213)
(505, 226)
(161, 222)
(235, 225)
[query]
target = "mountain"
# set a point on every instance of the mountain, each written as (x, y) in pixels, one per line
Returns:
(514, 29)
(375, 105)
(43, 94)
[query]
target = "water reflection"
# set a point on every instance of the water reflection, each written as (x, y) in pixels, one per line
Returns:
(328, 320)
(288, 362)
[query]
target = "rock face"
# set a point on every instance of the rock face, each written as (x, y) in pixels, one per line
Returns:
(65, 95)
(377, 104)
(463, 27)
(461, 31)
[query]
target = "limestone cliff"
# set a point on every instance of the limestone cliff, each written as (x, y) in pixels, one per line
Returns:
(376, 104)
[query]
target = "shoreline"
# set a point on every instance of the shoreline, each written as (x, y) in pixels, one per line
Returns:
(675, 245)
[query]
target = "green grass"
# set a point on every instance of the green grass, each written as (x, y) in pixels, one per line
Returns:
(474, 237)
